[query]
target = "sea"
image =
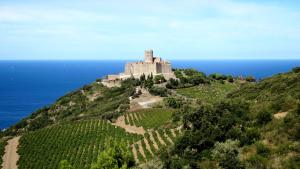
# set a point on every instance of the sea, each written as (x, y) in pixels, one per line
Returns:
(26, 86)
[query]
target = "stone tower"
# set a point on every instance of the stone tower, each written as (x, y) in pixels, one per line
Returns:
(149, 56)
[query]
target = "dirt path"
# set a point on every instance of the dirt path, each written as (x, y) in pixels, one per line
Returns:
(134, 152)
(120, 122)
(173, 132)
(148, 146)
(11, 156)
(168, 138)
(141, 150)
(153, 141)
(160, 139)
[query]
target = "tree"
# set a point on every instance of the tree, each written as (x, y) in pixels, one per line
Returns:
(158, 91)
(142, 77)
(227, 154)
(264, 117)
(114, 156)
(172, 83)
(250, 79)
(296, 70)
(148, 83)
(159, 79)
(172, 102)
(230, 79)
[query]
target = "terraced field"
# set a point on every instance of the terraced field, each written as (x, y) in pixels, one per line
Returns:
(210, 93)
(79, 143)
(149, 118)
(153, 141)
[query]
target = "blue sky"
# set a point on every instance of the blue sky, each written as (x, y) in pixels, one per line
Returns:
(174, 29)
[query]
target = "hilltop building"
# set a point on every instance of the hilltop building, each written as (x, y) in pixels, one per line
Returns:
(150, 65)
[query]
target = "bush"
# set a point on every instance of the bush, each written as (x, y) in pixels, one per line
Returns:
(159, 79)
(250, 79)
(292, 163)
(158, 91)
(264, 117)
(227, 154)
(64, 164)
(172, 83)
(250, 136)
(172, 102)
(258, 161)
(115, 155)
(296, 70)
(262, 150)
(197, 79)
(230, 79)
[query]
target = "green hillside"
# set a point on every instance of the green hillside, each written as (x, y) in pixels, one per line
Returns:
(2, 149)
(255, 126)
(214, 121)
(209, 93)
(149, 118)
(278, 93)
(91, 101)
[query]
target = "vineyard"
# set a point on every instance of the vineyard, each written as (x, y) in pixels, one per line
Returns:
(149, 118)
(209, 93)
(79, 143)
(153, 141)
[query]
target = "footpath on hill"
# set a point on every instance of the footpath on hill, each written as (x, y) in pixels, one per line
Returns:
(11, 156)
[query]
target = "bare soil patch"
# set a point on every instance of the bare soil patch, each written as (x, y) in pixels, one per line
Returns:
(120, 122)
(145, 100)
(280, 115)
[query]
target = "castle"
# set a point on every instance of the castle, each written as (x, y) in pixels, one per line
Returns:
(151, 65)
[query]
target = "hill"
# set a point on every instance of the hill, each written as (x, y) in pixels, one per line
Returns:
(214, 121)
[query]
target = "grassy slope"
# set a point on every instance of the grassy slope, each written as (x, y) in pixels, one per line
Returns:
(153, 118)
(94, 100)
(210, 93)
(280, 136)
(2, 149)
(277, 93)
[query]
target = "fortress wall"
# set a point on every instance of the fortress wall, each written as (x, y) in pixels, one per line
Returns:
(140, 68)
(166, 68)
(158, 68)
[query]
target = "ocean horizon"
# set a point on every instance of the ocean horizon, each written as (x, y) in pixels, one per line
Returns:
(27, 85)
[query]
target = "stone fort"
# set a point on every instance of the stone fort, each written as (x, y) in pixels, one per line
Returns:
(150, 65)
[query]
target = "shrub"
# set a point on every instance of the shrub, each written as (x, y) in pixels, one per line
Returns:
(250, 136)
(258, 161)
(227, 154)
(230, 79)
(159, 79)
(158, 91)
(197, 79)
(292, 163)
(172, 102)
(264, 117)
(64, 164)
(172, 83)
(115, 155)
(296, 70)
(250, 79)
(262, 150)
